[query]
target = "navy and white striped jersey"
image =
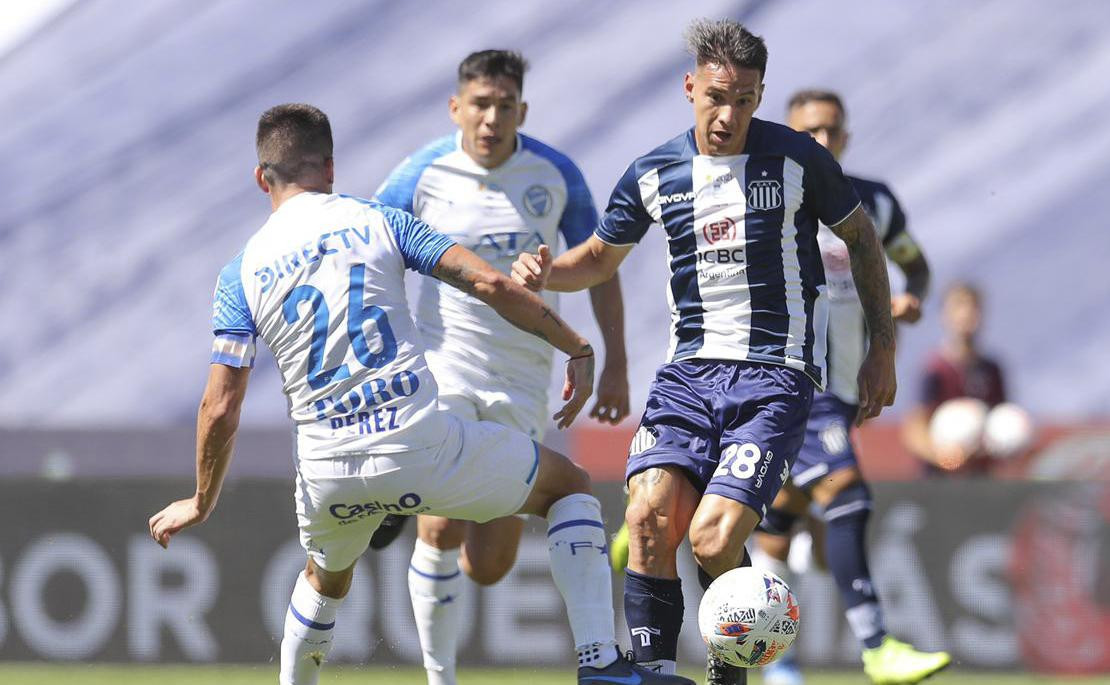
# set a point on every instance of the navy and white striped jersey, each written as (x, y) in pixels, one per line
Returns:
(746, 279)
(847, 339)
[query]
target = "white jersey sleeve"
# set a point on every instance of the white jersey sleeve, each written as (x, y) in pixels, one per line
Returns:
(322, 284)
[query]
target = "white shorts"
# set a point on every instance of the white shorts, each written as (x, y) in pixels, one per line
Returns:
(472, 395)
(481, 472)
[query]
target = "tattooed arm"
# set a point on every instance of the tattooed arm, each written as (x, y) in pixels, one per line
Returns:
(877, 383)
(470, 273)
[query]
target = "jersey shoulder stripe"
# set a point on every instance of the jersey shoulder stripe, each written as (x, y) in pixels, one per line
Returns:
(580, 215)
(399, 187)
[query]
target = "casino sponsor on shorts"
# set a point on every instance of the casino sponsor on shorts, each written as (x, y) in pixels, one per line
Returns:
(407, 504)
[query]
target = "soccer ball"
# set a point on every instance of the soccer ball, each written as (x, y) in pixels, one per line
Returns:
(1008, 432)
(959, 423)
(748, 617)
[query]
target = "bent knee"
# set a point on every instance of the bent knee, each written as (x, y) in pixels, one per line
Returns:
(717, 547)
(647, 520)
(578, 480)
(490, 569)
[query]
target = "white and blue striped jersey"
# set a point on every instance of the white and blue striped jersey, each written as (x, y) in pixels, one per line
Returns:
(322, 283)
(746, 280)
(847, 338)
(529, 200)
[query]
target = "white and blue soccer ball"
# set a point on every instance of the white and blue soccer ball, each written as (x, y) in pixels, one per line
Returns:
(748, 617)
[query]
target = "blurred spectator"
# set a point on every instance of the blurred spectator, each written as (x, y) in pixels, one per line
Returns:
(956, 369)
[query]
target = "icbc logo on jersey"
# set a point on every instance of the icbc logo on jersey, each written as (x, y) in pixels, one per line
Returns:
(716, 231)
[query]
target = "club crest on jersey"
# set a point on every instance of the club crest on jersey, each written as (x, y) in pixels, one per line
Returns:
(537, 200)
(765, 194)
(644, 439)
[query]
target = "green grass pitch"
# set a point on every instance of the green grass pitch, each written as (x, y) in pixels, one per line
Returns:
(51, 674)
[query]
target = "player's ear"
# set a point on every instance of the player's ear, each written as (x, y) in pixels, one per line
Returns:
(260, 179)
(329, 170)
(688, 87)
(523, 113)
(453, 108)
(759, 94)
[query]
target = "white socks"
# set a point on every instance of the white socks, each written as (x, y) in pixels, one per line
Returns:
(309, 624)
(579, 554)
(435, 583)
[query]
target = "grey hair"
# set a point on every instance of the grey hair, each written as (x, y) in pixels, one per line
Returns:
(726, 42)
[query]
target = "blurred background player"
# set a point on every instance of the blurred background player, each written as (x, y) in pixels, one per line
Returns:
(954, 370)
(740, 200)
(499, 193)
(827, 471)
(322, 283)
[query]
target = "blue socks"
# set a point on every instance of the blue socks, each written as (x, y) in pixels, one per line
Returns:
(653, 608)
(846, 553)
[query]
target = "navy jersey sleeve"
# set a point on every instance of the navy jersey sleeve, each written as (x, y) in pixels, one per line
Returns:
(580, 215)
(420, 244)
(231, 319)
(897, 220)
(626, 219)
(833, 195)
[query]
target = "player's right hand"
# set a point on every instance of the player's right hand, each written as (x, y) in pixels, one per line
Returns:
(577, 389)
(175, 518)
(531, 270)
(877, 382)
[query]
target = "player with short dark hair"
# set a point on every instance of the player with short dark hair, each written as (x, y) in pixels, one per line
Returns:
(498, 192)
(740, 200)
(827, 471)
(322, 283)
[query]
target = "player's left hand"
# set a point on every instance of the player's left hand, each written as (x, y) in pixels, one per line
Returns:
(175, 518)
(877, 382)
(577, 389)
(905, 308)
(531, 270)
(612, 395)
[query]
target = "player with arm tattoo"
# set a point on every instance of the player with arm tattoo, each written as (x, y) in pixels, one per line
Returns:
(740, 200)
(322, 283)
(827, 471)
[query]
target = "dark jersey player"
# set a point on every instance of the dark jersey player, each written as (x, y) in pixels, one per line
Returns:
(740, 200)
(826, 471)
(957, 368)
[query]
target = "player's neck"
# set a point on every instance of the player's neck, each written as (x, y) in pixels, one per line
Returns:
(960, 350)
(281, 195)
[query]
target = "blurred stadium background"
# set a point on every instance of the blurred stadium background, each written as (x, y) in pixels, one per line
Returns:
(128, 145)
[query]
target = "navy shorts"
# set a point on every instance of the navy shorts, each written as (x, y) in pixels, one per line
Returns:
(733, 427)
(828, 444)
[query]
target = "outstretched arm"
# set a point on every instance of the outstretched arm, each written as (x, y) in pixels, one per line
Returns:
(877, 383)
(217, 424)
(470, 273)
(586, 265)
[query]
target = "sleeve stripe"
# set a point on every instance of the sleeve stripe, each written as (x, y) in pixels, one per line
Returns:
(845, 217)
(233, 349)
(600, 237)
